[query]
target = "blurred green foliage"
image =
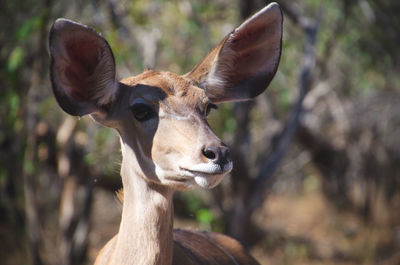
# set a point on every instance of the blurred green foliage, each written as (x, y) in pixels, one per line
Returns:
(197, 207)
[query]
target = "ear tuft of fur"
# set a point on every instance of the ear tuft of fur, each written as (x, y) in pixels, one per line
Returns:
(119, 195)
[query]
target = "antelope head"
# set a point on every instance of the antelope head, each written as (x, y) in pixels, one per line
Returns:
(161, 117)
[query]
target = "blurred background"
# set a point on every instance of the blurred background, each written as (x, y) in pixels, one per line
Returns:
(316, 176)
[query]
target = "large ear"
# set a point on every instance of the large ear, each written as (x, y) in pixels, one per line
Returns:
(244, 63)
(82, 68)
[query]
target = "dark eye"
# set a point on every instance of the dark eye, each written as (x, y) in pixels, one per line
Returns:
(142, 112)
(209, 108)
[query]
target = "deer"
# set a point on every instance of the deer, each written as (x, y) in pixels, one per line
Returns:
(166, 142)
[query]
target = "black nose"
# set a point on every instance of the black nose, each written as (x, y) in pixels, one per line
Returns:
(217, 154)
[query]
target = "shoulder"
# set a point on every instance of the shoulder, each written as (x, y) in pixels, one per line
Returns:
(211, 248)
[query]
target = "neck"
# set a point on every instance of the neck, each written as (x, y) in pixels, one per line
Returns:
(145, 234)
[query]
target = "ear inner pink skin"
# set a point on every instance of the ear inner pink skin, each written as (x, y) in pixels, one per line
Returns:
(83, 61)
(82, 68)
(244, 63)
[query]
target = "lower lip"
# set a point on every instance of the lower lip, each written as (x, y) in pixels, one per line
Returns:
(196, 173)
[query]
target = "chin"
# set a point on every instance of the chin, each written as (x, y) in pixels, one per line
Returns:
(205, 182)
(208, 182)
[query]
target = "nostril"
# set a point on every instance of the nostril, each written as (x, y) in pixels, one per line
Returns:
(209, 153)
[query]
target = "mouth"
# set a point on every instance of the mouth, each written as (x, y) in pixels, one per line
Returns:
(206, 175)
(207, 169)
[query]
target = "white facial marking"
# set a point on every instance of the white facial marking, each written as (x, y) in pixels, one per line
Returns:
(202, 182)
(163, 114)
(208, 182)
(159, 172)
(211, 168)
(207, 175)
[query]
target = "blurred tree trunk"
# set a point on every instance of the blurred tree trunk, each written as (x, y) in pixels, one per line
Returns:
(76, 196)
(30, 173)
(239, 223)
(251, 190)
